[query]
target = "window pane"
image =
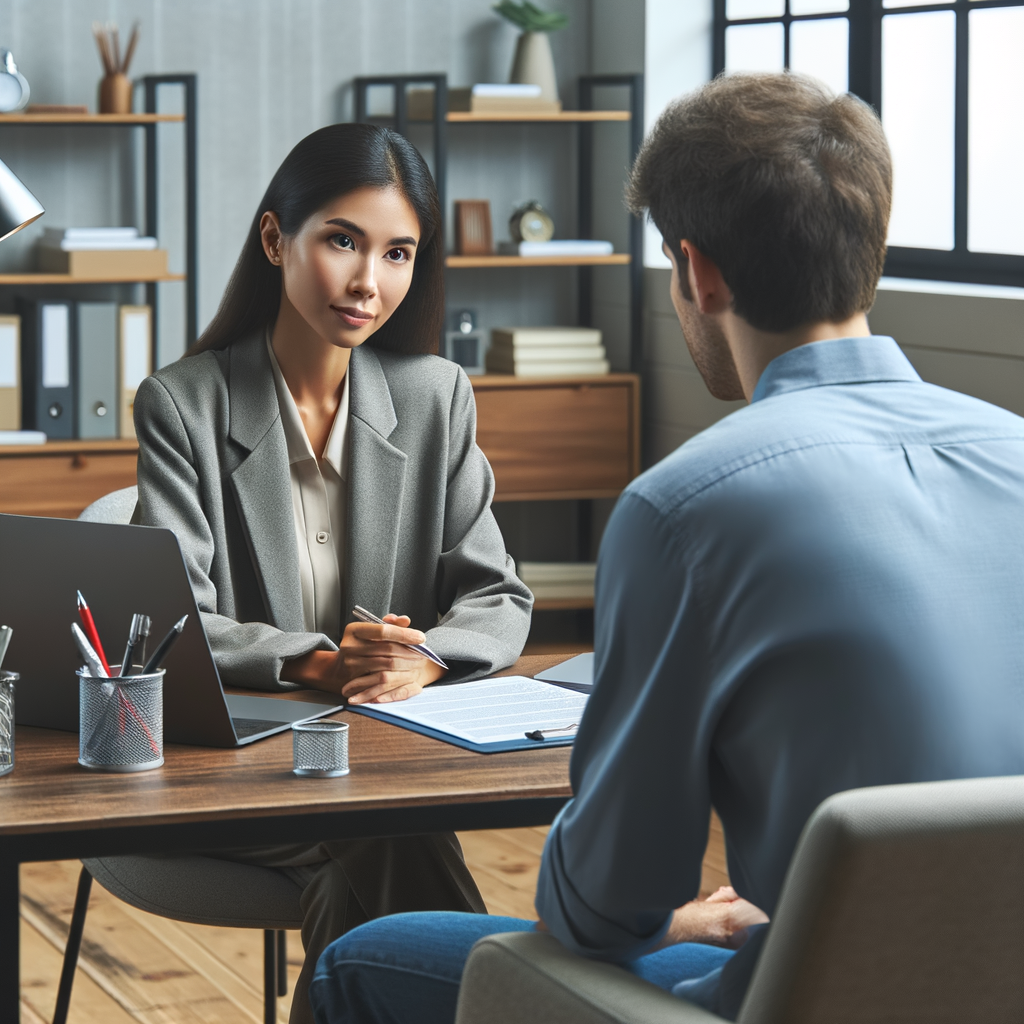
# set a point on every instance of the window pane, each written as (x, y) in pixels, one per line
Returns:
(918, 64)
(995, 203)
(754, 9)
(755, 48)
(818, 6)
(822, 49)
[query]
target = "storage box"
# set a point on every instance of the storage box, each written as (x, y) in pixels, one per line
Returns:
(105, 264)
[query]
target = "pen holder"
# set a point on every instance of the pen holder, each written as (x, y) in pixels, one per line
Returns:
(320, 748)
(121, 722)
(7, 681)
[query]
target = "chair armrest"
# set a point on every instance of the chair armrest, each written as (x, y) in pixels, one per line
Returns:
(530, 978)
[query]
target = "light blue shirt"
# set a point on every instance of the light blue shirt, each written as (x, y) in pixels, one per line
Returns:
(822, 591)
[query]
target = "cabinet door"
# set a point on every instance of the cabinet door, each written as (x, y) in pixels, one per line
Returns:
(61, 485)
(558, 440)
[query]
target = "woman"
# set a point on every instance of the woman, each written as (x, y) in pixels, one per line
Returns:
(311, 454)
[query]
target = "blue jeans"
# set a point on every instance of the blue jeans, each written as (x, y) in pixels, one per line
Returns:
(406, 969)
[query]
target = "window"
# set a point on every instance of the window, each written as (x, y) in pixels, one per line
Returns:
(948, 81)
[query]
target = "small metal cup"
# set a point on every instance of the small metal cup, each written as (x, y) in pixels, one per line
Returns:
(7, 681)
(320, 748)
(121, 722)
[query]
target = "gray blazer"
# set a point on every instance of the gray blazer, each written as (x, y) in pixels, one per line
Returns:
(421, 538)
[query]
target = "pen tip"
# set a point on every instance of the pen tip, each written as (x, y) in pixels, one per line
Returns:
(180, 624)
(81, 600)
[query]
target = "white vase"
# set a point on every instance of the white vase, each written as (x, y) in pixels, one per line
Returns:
(534, 65)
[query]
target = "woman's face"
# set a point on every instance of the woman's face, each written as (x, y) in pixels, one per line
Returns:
(350, 265)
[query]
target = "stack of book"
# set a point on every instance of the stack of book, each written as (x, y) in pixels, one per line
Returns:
(547, 351)
(113, 253)
(559, 581)
(557, 247)
(484, 98)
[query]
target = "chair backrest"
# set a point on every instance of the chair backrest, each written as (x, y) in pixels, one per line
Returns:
(116, 507)
(902, 903)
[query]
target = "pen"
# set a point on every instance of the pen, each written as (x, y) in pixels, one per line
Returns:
(89, 656)
(364, 616)
(543, 734)
(138, 631)
(165, 645)
(92, 633)
(5, 638)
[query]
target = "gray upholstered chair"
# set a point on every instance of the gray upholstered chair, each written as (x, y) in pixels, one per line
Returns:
(902, 903)
(200, 890)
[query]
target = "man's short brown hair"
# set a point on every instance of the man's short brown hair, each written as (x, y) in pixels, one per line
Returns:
(786, 186)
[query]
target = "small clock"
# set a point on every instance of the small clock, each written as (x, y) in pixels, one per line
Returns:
(13, 86)
(531, 223)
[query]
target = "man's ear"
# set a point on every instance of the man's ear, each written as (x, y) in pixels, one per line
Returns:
(710, 293)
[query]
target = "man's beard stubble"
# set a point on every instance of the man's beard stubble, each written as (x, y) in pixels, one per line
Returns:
(711, 353)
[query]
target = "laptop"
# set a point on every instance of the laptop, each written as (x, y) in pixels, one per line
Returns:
(120, 570)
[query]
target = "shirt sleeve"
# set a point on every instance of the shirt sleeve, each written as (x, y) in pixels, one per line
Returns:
(627, 849)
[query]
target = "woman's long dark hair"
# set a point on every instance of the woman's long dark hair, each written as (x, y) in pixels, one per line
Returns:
(330, 163)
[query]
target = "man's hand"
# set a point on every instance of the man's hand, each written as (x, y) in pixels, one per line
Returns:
(373, 665)
(720, 920)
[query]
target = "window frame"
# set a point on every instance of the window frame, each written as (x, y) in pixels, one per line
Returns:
(865, 81)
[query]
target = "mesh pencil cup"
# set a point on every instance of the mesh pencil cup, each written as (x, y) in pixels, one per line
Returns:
(7, 681)
(121, 722)
(320, 748)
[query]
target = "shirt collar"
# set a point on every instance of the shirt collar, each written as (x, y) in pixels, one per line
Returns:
(296, 438)
(836, 361)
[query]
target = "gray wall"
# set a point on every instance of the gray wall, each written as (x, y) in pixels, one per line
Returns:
(270, 72)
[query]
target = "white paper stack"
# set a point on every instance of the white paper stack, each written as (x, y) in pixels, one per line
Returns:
(92, 239)
(547, 351)
(559, 580)
(558, 247)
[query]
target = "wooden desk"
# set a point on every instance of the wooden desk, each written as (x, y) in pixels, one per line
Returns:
(401, 783)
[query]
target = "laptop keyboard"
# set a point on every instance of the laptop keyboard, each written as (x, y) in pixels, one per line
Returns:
(246, 727)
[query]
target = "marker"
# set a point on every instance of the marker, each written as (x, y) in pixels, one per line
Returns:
(92, 633)
(165, 646)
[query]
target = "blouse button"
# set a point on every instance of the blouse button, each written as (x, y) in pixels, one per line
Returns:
(323, 537)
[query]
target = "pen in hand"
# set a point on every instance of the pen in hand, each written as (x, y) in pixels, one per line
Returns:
(364, 616)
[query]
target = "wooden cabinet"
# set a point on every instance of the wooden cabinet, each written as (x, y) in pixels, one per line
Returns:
(60, 478)
(559, 437)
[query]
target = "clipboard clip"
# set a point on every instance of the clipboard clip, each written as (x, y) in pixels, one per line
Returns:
(543, 734)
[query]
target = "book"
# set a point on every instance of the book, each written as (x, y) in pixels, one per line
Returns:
(96, 356)
(47, 367)
(10, 374)
(521, 338)
(75, 239)
(101, 244)
(521, 368)
(559, 580)
(135, 361)
(558, 247)
(22, 437)
(549, 353)
(484, 98)
(106, 264)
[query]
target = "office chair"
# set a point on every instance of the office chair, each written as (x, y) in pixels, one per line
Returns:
(196, 889)
(902, 903)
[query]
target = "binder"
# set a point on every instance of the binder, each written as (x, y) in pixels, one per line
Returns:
(96, 356)
(10, 373)
(48, 367)
(135, 361)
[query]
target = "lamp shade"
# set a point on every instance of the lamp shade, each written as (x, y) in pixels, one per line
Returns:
(18, 206)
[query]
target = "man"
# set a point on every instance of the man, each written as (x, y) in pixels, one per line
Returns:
(825, 590)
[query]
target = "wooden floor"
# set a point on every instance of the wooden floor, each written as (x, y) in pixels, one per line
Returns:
(139, 969)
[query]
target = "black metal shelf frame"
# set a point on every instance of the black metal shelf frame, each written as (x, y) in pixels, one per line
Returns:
(400, 84)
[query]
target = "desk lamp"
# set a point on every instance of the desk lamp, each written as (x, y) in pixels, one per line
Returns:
(18, 207)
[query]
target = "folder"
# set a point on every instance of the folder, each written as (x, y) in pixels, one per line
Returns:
(96, 355)
(135, 361)
(10, 373)
(47, 367)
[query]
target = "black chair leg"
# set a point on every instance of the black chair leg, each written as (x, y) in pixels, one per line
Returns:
(282, 962)
(67, 974)
(269, 976)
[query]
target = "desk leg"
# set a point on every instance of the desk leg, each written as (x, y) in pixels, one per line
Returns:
(10, 943)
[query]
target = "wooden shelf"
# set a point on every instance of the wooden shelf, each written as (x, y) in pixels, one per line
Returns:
(555, 604)
(90, 119)
(78, 447)
(68, 279)
(616, 259)
(566, 116)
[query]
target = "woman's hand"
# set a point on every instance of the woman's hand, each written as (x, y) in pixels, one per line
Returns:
(720, 920)
(373, 665)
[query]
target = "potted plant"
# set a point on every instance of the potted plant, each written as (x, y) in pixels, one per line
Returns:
(533, 63)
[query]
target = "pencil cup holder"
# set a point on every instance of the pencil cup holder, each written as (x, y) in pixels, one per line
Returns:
(121, 722)
(7, 681)
(320, 748)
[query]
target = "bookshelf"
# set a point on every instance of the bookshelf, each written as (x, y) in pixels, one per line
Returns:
(148, 121)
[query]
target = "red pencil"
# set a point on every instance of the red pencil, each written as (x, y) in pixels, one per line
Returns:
(92, 633)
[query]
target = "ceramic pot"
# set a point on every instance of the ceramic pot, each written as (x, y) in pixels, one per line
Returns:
(115, 94)
(534, 65)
